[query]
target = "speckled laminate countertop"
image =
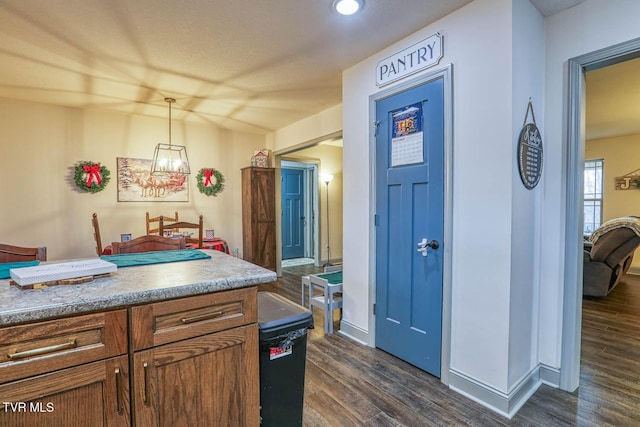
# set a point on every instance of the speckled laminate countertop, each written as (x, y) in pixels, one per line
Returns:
(130, 286)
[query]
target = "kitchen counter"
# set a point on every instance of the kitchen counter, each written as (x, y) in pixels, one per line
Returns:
(129, 286)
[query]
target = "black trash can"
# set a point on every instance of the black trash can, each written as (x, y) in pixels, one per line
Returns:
(283, 352)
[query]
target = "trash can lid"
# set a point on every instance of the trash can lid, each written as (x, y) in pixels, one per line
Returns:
(277, 314)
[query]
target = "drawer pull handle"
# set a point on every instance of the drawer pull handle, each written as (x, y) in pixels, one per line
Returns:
(145, 389)
(43, 350)
(201, 317)
(118, 391)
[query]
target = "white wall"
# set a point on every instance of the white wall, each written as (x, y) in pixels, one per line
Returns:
(503, 310)
(42, 144)
(477, 40)
(528, 83)
(311, 129)
(497, 295)
(590, 26)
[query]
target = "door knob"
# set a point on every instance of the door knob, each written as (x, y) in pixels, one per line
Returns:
(423, 245)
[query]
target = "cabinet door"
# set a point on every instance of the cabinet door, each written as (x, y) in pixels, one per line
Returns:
(212, 380)
(258, 222)
(265, 226)
(94, 394)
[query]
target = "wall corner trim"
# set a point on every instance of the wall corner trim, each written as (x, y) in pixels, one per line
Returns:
(505, 404)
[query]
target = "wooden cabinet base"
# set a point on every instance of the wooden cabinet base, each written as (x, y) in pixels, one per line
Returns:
(193, 362)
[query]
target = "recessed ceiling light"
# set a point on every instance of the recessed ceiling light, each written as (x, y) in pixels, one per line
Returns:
(347, 7)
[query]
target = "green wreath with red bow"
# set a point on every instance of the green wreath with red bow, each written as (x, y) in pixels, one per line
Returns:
(91, 176)
(206, 184)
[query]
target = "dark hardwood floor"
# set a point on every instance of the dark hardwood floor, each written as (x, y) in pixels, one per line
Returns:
(348, 384)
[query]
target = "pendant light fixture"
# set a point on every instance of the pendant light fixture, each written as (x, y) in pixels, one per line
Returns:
(170, 159)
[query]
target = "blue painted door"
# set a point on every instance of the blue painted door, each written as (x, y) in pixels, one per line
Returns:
(293, 220)
(409, 224)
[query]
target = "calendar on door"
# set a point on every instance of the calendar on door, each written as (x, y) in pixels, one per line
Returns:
(407, 138)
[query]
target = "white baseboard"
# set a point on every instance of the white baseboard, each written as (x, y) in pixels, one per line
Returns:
(505, 404)
(633, 270)
(354, 333)
(333, 261)
(550, 376)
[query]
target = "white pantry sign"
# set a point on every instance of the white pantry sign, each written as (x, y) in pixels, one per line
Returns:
(424, 54)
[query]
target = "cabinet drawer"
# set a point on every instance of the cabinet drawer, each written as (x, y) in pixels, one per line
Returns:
(164, 322)
(36, 348)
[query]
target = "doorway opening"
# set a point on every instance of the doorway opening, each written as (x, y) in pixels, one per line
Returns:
(313, 239)
(576, 136)
(299, 202)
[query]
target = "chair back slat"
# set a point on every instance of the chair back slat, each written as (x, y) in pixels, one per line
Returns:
(153, 223)
(148, 243)
(182, 224)
(96, 233)
(9, 253)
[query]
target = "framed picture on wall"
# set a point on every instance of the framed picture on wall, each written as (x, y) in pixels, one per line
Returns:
(136, 184)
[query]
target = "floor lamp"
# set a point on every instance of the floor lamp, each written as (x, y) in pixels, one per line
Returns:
(327, 178)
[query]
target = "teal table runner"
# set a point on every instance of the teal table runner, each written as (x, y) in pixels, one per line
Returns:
(6, 266)
(159, 257)
(333, 278)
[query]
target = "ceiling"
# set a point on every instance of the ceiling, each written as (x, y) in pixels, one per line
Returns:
(252, 66)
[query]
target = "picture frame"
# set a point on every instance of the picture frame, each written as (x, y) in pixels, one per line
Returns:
(136, 184)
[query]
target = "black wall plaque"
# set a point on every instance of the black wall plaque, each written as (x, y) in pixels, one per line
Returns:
(530, 153)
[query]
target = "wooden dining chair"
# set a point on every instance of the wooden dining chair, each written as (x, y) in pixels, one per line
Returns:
(96, 234)
(181, 225)
(10, 253)
(153, 223)
(148, 243)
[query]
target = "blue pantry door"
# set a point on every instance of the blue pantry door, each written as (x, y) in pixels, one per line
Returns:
(293, 220)
(409, 224)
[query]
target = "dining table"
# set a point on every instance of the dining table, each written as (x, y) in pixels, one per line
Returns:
(214, 243)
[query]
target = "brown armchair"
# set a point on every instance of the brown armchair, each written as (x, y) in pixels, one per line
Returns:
(609, 254)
